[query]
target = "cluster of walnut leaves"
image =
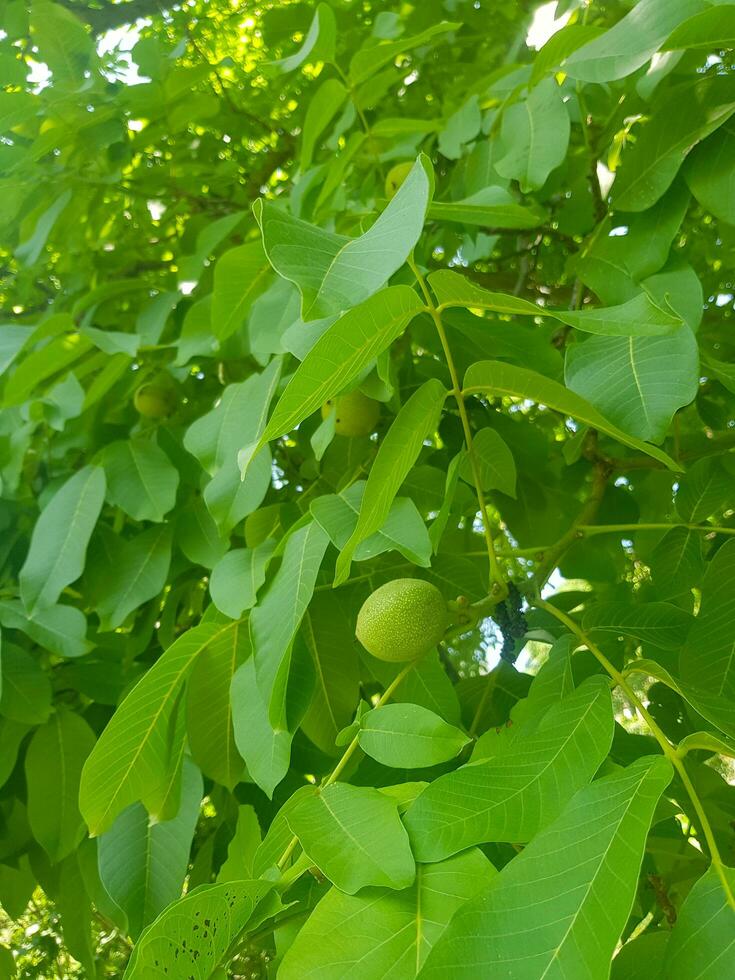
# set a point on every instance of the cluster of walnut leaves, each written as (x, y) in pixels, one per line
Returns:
(520, 259)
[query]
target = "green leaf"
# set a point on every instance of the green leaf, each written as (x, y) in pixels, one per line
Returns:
(240, 276)
(631, 42)
(53, 767)
(707, 742)
(277, 617)
(236, 578)
(12, 734)
(266, 751)
(711, 28)
(703, 938)
(553, 682)
(396, 456)
(706, 660)
(237, 418)
(535, 136)
(658, 624)
(636, 382)
(403, 529)
(60, 537)
(714, 707)
(409, 736)
(26, 689)
(355, 837)
(495, 463)
(704, 490)
(179, 936)
(380, 932)
(641, 958)
(328, 629)
(494, 377)
(337, 358)
(516, 793)
(323, 107)
(677, 563)
(640, 316)
(198, 536)
(131, 760)
(142, 864)
(64, 43)
(139, 574)
(368, 60)
(570, 891)
(29, 250)
(140, 479)
(241, 849)
(319, 41)
(650, 164)
(489, 206)
(333, 272)
(710, 170)
(208, 709)
(59, 629)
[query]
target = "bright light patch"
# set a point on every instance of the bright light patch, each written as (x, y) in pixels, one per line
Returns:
(544, 25)
(187, 286)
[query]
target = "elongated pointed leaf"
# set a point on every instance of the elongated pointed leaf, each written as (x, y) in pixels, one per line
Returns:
(397, 453)
(60, 537)
(557, 910)
(493, 206)
(142, 864)
(659, 624)
(367, 61)
(318, 43)
(383, 933)
(649, 166)
(702, 942)
(276, 619)
(496, 378)
(335, 273)
(409, 736)
(240, 276)
(516, 793)
(355, 836)
(208, 707)
(640, 316)
(328, 629)
(631, 42)
(130, 761)
(53, 765)
(181, 936)
(266, 751)
(706, 662)
(139, 574)
(338, 357)
(535, 135)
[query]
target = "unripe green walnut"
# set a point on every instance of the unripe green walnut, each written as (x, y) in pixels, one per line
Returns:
(356, 414)
(155, 400)
(396, 176)
(402, 620)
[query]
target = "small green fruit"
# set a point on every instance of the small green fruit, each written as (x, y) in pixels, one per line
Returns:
(155, 400)
(402, 620)
(356, 414)
(396, 176)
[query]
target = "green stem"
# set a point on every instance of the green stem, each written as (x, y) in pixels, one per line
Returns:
(349, 752)
(667, 748)
(497, 581)
(589, 530)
